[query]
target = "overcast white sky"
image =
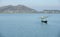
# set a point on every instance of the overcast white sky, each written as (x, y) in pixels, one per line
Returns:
(35, 4)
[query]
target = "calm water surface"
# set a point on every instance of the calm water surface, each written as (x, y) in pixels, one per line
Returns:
(29, 25)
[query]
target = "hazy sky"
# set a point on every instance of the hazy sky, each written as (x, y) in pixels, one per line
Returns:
(35, 4)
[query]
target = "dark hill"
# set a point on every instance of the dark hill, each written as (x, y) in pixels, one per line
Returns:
(16, 9)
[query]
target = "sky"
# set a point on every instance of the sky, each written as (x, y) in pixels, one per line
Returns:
(34, 4)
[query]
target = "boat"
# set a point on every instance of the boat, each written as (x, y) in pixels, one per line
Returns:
(44, 19)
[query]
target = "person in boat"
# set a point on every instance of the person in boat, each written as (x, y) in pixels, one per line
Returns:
(44, 19)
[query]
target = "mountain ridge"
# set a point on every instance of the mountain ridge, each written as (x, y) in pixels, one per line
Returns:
(10, 9)
(16, 9)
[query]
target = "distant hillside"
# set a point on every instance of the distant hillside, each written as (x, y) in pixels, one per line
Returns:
(50, 11)
(16, 9)
(10, 9)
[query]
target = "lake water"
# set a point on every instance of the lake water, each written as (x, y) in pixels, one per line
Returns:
(29, 25)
